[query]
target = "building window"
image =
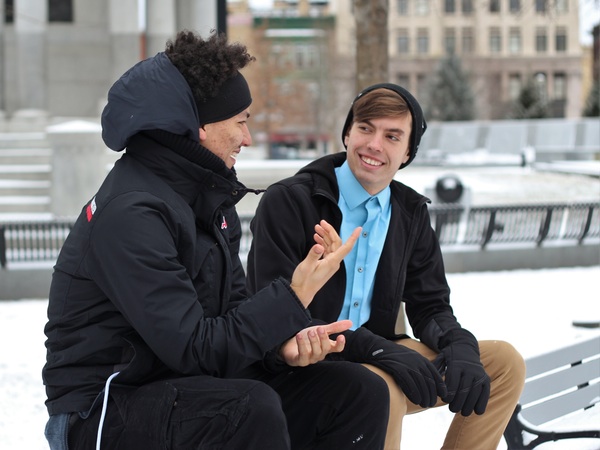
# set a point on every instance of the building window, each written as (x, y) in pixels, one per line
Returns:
(449, 6)
(422, 41)
(403, 80)
(494, 6)
(514, 86)
(561, 6)
(60, 10)
(278, 55)
(403, 41)
(306, 56)
(450, 41)
(514, 6)
(541, 40)
(560, 86)
(468, 41)
(402, 6)
(467, 7)
(541, 6)
(495, 40)
(9, 11)
(312, 54)
(422, 7)
(514, 40)
(542, 85)
(422, 88)
(561, 39)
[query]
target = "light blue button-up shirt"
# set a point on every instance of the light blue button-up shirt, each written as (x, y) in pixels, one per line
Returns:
(373, 213)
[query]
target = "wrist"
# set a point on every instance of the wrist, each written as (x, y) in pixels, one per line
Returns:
(304, 297)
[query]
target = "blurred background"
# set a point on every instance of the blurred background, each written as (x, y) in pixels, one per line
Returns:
(465, 60)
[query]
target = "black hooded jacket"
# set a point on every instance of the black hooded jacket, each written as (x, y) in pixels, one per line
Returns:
(149, 282)
(410, 269)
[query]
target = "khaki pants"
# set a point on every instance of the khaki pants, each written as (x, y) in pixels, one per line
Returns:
(506, 369)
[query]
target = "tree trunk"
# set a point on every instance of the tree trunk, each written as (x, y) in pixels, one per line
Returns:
(371, 42)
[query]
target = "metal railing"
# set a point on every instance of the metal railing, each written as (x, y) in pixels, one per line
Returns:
(479, 226)
(483, 225)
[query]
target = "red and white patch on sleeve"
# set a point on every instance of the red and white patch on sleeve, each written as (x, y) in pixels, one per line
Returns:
(90, 209)
(224, 224)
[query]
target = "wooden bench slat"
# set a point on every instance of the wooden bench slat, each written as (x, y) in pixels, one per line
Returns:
(559, 406)
(559, 381)
(550, 394)
(563, 356)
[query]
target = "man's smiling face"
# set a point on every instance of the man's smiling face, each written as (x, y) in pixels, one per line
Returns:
(376, 150)
(227, 137)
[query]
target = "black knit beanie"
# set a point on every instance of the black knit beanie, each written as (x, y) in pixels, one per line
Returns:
(418, 121)
(233, 97)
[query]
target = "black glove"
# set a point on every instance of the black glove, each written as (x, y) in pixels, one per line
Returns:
(415, 374)
(467, 382)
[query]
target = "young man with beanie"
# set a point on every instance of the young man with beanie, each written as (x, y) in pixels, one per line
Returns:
(397, 260)
(151, 337)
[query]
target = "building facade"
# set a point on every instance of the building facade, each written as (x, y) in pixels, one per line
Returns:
(60, 57)
(500, 44)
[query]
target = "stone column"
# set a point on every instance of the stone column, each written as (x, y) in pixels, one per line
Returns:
(160, 24)
(2, 67)
(200, 17)
(79, 165)
(31, 17)
(125, 36)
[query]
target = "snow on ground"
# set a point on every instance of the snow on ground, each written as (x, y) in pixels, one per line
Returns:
(534, 310)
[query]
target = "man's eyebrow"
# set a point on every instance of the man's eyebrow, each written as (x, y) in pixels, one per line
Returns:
(395, 130)
(388, 130)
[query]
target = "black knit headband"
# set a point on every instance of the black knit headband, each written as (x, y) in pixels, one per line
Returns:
(233, 97)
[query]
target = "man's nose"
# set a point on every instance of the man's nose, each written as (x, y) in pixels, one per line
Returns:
(376, 142)
(247, 141)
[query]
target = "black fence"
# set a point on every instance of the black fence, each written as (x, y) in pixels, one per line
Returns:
(480, 226)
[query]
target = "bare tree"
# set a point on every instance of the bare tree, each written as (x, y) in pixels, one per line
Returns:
(372, 59)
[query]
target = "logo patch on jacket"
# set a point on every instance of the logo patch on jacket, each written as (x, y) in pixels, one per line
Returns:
(90, 209)
(224, 224)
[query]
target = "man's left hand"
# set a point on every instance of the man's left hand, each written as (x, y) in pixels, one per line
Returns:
(467, 382)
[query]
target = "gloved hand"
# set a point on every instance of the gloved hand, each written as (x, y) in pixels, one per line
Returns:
(467, 382)
(415, 374)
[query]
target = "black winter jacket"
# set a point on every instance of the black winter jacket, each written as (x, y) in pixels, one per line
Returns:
(149, 282)
(410, 269)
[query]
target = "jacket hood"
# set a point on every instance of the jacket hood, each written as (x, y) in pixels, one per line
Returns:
(152, 95)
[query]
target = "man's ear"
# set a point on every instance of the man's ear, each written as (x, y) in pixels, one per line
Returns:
(202, 134)
(406, 156)
(346, 141)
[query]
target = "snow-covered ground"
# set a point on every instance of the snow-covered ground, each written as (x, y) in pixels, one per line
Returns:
(534, 310)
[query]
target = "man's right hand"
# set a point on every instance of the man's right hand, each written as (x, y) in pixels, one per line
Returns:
(416, 375)
(322, 261)
(313, 344)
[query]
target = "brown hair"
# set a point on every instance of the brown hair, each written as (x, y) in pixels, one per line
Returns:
(379, 103)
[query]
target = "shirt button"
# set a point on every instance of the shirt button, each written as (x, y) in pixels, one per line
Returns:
(355, 304)
(365, 234)
(360, 269)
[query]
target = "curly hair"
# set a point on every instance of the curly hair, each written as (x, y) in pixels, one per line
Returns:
(206, 63)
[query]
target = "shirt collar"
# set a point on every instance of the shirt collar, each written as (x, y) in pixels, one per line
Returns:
(353, 192)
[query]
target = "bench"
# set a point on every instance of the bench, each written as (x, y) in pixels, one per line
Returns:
(557, 383)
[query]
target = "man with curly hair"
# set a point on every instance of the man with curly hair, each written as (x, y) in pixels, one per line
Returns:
(151, 338)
